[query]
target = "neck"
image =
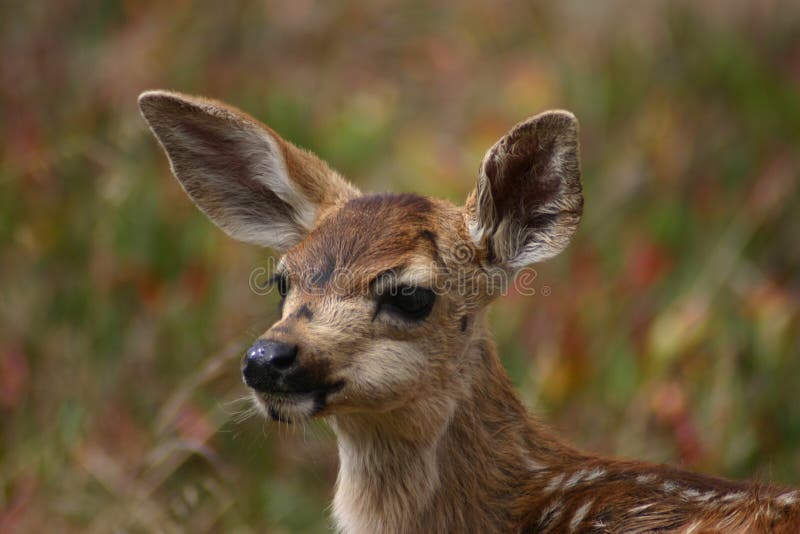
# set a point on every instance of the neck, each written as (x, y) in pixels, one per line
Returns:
(444, 464)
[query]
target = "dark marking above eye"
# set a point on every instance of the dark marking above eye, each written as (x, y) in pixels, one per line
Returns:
(360, 238)
(431, 237)
(464, 323)
(322, 276)
(304, 312)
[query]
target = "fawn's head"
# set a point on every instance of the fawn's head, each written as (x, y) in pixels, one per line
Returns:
(380, 291)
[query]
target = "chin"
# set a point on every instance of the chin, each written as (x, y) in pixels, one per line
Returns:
(292, 407)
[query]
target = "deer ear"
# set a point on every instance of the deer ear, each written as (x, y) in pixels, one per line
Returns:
(528, 201)
(251, 183)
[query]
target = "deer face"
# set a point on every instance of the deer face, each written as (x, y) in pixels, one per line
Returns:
(379, 291)
(367, 308)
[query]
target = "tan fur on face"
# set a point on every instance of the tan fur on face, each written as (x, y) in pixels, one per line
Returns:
(384, 361)
(431, 435)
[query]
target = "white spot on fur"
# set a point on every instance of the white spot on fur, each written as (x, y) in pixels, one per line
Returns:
(788, 499)
(550, 515)
(580, 514)
(533, 465)
(641, 508)
(690, 494)
(669, 486)
(739, 495)
(594, 474)
(574, 479)
(554, 483)
(646, 478)
(706, 496)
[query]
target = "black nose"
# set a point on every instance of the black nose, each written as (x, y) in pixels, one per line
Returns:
(265, 362)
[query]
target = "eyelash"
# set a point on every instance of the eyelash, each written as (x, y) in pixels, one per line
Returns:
(283, 285)
(281, 282)
(409, 302)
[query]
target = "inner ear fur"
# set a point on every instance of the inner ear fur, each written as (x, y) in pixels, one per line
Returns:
(528, 200)
(254, 185)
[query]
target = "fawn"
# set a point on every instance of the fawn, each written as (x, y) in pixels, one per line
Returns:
(383, 332)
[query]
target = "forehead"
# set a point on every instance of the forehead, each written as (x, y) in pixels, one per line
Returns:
(369, 235)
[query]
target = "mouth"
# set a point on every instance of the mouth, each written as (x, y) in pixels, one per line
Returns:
(293, 406)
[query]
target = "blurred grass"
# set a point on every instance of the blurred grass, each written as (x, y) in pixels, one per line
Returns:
(670, 331)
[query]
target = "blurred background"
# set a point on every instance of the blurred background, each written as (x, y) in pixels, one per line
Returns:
(668, 331)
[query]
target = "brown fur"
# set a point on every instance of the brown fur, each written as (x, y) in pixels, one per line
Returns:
(431, 435)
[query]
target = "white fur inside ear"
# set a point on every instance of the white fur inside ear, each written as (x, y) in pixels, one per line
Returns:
(233, 168)
(528, 199)
(476, 230)
(533, 253)
(278, 235)
(271, 171)
(264, 163)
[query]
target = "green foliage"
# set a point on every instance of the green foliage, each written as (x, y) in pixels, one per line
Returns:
(668, 331)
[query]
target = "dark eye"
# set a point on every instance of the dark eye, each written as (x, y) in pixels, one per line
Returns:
(409, 301)
(281, 282)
